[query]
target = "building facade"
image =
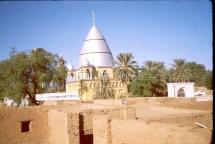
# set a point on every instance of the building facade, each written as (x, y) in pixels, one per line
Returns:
(180, 89)
(95, 64)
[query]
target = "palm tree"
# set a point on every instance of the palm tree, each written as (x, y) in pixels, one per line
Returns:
(125, 67)
(156, 73)
(179, 72)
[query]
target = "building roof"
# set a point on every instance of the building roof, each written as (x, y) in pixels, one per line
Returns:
(95, 50)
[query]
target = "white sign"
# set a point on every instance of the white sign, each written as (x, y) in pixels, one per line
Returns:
(58, 96)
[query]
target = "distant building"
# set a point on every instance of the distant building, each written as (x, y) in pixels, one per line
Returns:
(95, 63)
(180, 89)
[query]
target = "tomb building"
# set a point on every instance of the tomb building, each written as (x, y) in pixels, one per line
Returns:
(95, 64)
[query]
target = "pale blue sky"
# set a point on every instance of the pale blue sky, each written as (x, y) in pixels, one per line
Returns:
(151, 30)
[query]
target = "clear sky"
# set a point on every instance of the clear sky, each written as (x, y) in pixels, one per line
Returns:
(151, 30)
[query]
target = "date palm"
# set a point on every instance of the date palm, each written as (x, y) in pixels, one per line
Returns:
(156, 73)
(125, 67)
(179, 72)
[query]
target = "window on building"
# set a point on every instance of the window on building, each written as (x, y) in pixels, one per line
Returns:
(87, 73)
(25, 126)
(71, 74)
(104, 74)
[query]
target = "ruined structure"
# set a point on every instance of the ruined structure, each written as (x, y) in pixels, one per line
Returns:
(142, 120)
(66, 124)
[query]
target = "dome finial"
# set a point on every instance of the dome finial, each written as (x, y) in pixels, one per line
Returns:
(93, 15)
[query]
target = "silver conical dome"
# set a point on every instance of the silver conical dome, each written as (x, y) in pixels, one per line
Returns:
(95, 50)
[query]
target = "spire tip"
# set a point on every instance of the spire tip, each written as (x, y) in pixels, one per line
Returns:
(93, 15)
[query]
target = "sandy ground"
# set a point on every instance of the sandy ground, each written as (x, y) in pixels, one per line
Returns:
(174, 122)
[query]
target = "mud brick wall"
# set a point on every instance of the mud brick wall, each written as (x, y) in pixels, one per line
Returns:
(102, 129)
(102, 123)
(125, 112)
(10, 125)
(62, 102)
(86, 117)
(63, 127)
(86, 122)
(73, 128)
(58, 127)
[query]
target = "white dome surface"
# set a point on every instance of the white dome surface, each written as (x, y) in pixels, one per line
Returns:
(95, 50)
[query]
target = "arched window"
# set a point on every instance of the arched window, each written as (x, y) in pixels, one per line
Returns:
(104, 74)
(87, 74)
(181, 92)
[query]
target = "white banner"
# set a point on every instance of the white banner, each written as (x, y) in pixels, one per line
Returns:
(58, 96)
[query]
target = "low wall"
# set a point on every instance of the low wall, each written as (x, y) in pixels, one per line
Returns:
(135, 100)
(47, 126)
(56, 125)
(63, 127)
(86, 117)
(204, 98)
(11, 119)
(61, 102)
(102, 127)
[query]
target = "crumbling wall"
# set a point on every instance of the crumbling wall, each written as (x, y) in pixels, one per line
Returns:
(56, 125)
(102, 127)
(11, 129)
(73, 128)
(86, 117)
(63, 127)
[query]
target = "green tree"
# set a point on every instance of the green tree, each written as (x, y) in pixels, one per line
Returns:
(197, 72)
(151, 81)
(207, 80)
(30, 73)
(59, 75)
(125, 67)
(179, 72)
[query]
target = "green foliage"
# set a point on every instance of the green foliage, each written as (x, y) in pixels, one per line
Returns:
(207, 80)
(103, 89)
(197, 72)
(151, 81)
(30, 73)
(125, 67)
(179, 72)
